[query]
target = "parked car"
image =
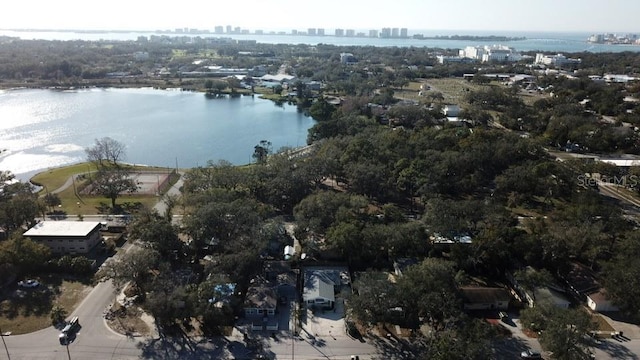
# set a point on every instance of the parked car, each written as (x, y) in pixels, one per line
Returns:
(30, 283)
(530, 354)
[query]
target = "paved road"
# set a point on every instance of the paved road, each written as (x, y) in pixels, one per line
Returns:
(93, 341)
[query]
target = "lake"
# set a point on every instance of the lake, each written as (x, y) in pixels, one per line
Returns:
(42, 129)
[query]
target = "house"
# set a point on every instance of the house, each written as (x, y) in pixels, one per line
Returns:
(321, 284)
(485, 298)
(451, 110)
(552, 296)
(318, 292)
(584, 285)
(66, 237)
(348, 59)
(260, 299)
(260, 305)
(402, 264)
(600, 302)
(549, 293)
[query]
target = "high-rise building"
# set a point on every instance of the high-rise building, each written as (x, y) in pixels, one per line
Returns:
(259, 32)
(219, 29)
(395, 32)
(237, 30)
(373, 33)
(351, 33)
(294, 32)
(404, 33)
(320, 32)
(311, 31)
(339, 32)
(229, 29)
(385, 33)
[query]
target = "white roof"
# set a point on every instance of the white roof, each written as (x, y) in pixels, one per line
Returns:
(62, 228)
(278, 77)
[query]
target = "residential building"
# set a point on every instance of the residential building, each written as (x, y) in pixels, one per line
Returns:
(219, 29)
(348, 58)
(67, 237)
(323, 284)
(485, 298)
(373, 33)
(339, 32)
(451, 110)
(385, 33)
(584, 285)
(311, 31)
(261, 299)
(320, 32)
(404, 33)
(351, 33)
(395, 33)
(229, 29)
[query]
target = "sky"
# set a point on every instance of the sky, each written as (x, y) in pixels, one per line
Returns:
(475, 15)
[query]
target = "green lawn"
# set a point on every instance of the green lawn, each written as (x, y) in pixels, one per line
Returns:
(73, 204)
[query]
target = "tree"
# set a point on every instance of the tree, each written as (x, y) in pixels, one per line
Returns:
(565, 332)
(23, 253)
(428, 290)
(134, 266)
(106, 149)
(57, 314)
(262, 151)
(113, 182)
(373, 298)
(622, 276)
(158, 233)
(321, 110)
(52, 200)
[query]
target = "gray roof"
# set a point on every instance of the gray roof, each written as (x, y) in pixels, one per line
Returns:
(317, 288)
(62, 228)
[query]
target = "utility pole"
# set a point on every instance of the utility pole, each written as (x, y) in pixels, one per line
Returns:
(68, 353)
(5, 344)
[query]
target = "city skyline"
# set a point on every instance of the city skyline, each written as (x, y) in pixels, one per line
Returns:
(285, 15)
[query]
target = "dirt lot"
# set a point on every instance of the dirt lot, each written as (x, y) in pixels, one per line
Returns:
(26, 310)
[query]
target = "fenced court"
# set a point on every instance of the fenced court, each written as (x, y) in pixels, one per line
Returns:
(152, 182)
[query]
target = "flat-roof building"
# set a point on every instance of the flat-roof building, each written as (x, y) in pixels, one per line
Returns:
(66, 237)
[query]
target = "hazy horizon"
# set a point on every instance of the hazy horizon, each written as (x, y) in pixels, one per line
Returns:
(580, 16)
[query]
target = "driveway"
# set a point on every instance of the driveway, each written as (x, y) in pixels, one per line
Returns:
(511, 347)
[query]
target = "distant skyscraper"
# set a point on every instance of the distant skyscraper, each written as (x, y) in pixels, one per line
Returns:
(294, 32)
(219, 29)
(311, 31)
(237, 30)
(259, 32)
(373, 33)
(229, 29)
(385, 33)
(351, 33)
(404, 33)
(339, 32)
(395, 32)
(320, 32)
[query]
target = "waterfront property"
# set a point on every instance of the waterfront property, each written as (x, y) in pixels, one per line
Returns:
(66, 237)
